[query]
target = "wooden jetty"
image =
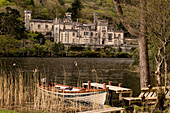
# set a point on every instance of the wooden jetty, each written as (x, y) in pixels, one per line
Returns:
(106, 110)
(119, 90)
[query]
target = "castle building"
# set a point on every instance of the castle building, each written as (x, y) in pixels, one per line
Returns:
(68, 32)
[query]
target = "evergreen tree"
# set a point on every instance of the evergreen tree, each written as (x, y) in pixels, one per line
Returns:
(76, 8)
(32, 2)
(11, 23)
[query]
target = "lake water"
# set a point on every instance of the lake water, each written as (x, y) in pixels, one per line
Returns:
(64, 70)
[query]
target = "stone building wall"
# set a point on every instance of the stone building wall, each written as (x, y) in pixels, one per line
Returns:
(68, 32)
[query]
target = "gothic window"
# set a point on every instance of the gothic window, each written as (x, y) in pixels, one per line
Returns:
(61, 37)
(39, 26)
(31, 25)
(46, 26)
(110, 37)
(73, 40)
(104, 35)
(86, 33)
(118, 35)
(115, 42)
(56, 28)
(65, 39)
(103, 28)
(91, 33)
(73, 34)
(56, 35)
(96, 34)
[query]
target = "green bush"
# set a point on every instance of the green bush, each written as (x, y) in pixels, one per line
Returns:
(119, 49)
(122, 55)
(76, 48)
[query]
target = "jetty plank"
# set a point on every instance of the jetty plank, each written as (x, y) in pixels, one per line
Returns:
(113, 88)
(105, 110)
(118, 90)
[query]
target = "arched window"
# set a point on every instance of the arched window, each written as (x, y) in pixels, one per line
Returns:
(73, 40)
(119, 35)
(46, 26)
(39, 26)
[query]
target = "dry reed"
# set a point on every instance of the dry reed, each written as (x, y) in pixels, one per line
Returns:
(18, 91)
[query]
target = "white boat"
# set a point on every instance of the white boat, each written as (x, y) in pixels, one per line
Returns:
(97, 96)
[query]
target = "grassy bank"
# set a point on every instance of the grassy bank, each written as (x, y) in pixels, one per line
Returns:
(7, 111)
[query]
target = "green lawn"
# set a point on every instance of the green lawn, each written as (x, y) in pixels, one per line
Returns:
(7, 111)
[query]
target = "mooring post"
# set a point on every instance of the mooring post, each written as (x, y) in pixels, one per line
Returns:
(120, 94)
(110, 82)
(89, 84)
(120, 84)
(104, 85)
(110, 94)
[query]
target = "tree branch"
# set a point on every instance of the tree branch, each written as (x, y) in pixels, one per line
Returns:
(119, 11)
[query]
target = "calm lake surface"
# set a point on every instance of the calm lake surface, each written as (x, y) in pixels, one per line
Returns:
(64, 70)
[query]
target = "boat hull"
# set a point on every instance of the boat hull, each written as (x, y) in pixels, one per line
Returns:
(97, 97)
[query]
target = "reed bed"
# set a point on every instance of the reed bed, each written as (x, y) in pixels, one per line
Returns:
(18, 92)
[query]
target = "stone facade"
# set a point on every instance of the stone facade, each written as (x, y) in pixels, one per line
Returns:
(68, 32)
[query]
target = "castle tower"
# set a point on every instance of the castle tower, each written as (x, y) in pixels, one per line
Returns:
(27, 18)
(95, 17)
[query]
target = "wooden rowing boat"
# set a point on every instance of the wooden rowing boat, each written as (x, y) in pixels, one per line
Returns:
(75, 93)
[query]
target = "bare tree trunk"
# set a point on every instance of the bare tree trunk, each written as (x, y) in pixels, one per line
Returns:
(143, 62)
(166, 67)
(142, 40)
(160, 94)
(143, 47)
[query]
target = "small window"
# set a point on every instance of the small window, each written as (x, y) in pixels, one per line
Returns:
(61, 39)
(46, 26)
(73, 34)
(73, 40)
(39, 26)
(110, 37)
(52, 27)
(115, 42)
(31, 25)
(118, 35)
(104, 35)
(56, 35)
(65, 39)
(91, 33)
(87, 33)
(56, 28)
(65, 34)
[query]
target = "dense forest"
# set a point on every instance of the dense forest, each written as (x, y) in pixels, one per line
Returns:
(18, 42)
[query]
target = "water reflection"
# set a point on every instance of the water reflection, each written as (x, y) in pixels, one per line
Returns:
(63, 70)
